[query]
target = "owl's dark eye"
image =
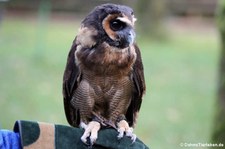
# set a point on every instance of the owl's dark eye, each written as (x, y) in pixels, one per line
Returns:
(117, 25)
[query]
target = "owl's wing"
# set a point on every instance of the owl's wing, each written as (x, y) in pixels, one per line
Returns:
(139, 89)
(70, 83)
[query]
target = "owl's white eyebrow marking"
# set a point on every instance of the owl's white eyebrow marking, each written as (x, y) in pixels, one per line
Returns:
(125, 20)
(134, 19)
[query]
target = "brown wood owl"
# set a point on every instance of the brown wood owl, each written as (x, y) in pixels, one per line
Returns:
(103, 82)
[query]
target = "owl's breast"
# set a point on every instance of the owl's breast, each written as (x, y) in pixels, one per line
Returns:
(106, 88)
(106, 60)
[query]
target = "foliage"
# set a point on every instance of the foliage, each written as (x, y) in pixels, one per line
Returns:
(221, 15)
(180, 76)
(219, 124)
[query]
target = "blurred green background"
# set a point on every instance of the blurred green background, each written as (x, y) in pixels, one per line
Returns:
(180, 52)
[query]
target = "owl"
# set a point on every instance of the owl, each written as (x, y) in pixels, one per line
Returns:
(103, 81)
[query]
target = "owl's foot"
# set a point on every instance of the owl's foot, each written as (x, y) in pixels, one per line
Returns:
(123, 127)
(91, 131)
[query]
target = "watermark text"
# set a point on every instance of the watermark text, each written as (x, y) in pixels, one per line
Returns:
(185, 144)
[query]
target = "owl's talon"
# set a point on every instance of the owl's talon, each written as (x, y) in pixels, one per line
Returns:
(83, 125)
(130, 134)
(91, 131)
(121, 134)
(84, 139)
(123, 127)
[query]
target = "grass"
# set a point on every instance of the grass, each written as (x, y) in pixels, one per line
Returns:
(181, 75)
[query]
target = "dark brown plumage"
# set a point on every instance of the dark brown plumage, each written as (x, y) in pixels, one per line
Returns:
(104, 81)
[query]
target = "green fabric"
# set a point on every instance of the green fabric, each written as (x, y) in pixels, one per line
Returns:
(69, 138)
(29, 131)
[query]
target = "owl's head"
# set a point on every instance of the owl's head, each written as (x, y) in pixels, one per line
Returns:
(110, 23)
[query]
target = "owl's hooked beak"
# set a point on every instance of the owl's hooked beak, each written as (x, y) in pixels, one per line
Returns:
(125, 38)
(131, 37)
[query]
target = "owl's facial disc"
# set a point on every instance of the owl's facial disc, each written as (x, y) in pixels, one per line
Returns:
(120, 30)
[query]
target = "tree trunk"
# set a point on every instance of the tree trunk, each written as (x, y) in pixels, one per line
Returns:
(219, 126)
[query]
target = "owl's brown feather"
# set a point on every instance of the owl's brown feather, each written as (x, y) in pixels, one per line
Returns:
(139, 89)
(73, 77)
(70, 83)
(104, 75)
